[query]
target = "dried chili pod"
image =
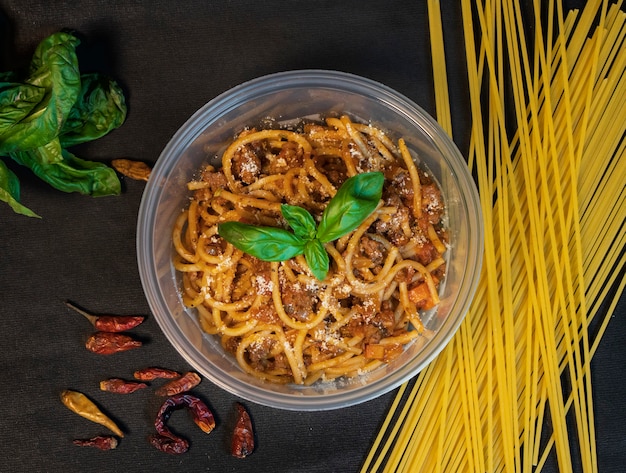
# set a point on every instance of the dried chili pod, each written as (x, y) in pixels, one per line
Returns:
(121, 386)
(80, 404)
(166, 444)
(107, 343)
(242, 443)
(152, 373)
(101, 442)
(134, 169)
(200, 413)
(185, 383)
(109, 323)
(165, 440)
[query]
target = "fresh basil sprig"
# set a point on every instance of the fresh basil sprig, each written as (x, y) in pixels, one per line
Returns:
(355, 200)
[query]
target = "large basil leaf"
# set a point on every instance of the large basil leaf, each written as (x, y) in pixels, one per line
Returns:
(70, 174)
(16, 102)
(317, 258)
(355, 200)
(54, 68)
(300, 220)
(100, 108)
(10, 191)
(266, 243)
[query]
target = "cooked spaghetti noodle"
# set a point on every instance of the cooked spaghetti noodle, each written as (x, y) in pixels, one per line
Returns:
(280, 322)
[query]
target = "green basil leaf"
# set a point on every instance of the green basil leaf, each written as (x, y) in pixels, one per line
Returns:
(265, 243)
(317, 258)
(70, 174)
(300, 220)
(54, 67)
(10, 191)
(100, 108)
(355, 200)
(16, 102)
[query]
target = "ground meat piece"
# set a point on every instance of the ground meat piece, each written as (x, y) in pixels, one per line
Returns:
(405, 275)
(354, 328)
(298, 301)
(368, 309)
(373, 250)
(215, 179)
(290, 156)
(386, 318)
(426, 253)
(231, 344)
(246, 165)
(432, 203)
(214, 245)
(259, 353)
(401, 185)
(265, 313)
(391, 228)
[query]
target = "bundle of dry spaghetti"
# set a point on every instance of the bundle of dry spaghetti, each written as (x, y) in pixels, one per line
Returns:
(548, 147)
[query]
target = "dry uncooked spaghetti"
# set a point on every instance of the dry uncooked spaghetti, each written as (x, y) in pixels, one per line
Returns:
(278, 320)
(554, 201)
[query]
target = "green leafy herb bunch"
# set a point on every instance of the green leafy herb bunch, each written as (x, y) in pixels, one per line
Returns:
(50, 109)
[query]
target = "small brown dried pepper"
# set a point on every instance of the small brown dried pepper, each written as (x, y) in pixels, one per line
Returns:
(172, 445)
(134, 169)
(109, 323)
(185, 383)
(107, 343)
(121, 386)
(101, 442)
(152, 373)
(83, 406)
(165, 440)
(242, 443)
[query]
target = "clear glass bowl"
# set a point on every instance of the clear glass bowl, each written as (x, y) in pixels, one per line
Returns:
(283, 97)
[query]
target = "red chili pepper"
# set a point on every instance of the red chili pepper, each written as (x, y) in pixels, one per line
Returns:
(185, 383)
(171, 445)
(107, 343)
(121, 386)
(109, 323)
(200, 413)
(102, 442)
(150, 374)
(242, 444)
(165, 440)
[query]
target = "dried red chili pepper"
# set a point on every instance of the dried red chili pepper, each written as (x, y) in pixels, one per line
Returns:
(185, 383)
(150, 374)
(101, 442)
(107, 343)
(165, 440)
(171, 445)
(200, 413)
(109, 323)
(121, 386)
(242, 443)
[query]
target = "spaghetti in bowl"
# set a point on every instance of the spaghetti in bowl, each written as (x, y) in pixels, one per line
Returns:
(271, 332)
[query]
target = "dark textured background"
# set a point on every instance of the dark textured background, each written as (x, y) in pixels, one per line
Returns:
(172, 57)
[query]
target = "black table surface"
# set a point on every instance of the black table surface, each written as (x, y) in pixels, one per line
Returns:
(172, 57)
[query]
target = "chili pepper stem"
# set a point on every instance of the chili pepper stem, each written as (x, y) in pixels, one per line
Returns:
(92, 318)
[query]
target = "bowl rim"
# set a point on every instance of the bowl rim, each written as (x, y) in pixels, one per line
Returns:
(206, 115)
